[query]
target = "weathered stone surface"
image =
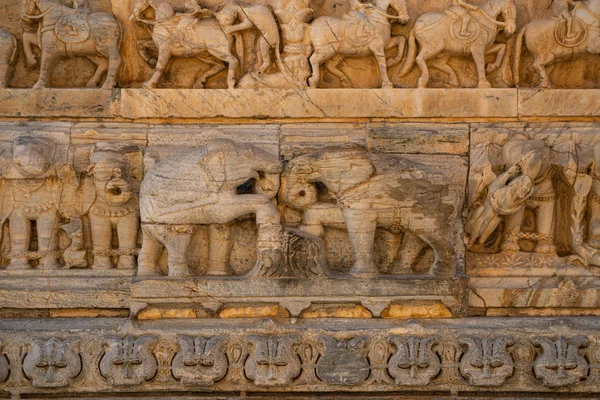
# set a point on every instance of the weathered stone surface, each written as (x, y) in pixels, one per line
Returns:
(559, 103)
(65, 103)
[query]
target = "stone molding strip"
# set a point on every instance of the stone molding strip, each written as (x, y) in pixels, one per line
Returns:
(134, 104)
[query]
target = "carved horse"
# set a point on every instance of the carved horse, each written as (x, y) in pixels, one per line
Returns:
(65, 32)
(438, 39)
(544, 41)
(205, 37)
(332, 38)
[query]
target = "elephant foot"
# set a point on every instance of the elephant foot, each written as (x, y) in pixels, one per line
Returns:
(49, 264)
(102, 263)
(545, 247)
(364, 270)
(268, 264)
(218, 269)
(511, 245)
(484, 85)
(126, 262)
(18, 264)
(179, 270)
(147, 270)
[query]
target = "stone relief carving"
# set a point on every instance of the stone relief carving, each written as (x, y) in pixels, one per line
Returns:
(561, 363)
(52, 363)
(129, 360)
(274, 360)
(344, 362)
(8, 55)
(371, 191)
(551, 40)
(67, 32)
(170, 206)
(442, 35)
(486, 361)
(414, 363)
(200, 361)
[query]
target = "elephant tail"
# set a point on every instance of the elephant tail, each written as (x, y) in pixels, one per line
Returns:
(518, 51)
(411, 57)
(13, 56)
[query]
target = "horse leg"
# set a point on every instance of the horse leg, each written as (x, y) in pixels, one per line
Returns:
(316, 59)
(382, 62)
(101, 68)
(400, 43)
(478, 53)
(425, 55)
(48, 60)
(164, 55)
(539, 63)
(29, 39)
(500, 50)
(332, 67)
(224, 54)
(114, 62)
(265, 54)
(441, 63)
(217, 67)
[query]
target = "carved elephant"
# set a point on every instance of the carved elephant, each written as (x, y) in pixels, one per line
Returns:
(8, 55)
(111, 202)
(36, 190)
(373, 191)
(200, 187)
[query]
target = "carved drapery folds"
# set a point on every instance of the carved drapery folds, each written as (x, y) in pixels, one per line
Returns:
(300, 44)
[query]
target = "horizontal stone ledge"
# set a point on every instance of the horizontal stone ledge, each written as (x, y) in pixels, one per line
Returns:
(294, 103)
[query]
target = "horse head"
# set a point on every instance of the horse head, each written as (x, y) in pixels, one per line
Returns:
(400, 7)
(162, 10)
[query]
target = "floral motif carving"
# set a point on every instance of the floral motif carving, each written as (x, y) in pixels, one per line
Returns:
(414, 362)
(486, 361)
(200, 361)
(52, 363)
(128, 360)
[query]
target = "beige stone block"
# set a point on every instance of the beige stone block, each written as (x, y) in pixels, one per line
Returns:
(67, 103)
(319, 103)
(298, 139)
(88, 313)
(254, 312)
(418, 138)
(122, 133)
(337, 311)
(175, 313)
(559, 103)
(405, 311)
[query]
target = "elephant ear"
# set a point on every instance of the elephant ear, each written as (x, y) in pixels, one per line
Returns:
(214, 165)
(359, 169)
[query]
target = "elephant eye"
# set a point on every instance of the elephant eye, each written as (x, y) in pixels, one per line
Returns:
(302, 193)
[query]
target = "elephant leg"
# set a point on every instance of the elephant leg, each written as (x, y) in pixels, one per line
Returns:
(478, 53)
(101, 68)
(513, 225)
(317, 216)
(220, 245)
(379, 54)
(539, 63)
(47, 230)
(545, 226)
(388, 250)
(20, 236)
(217, 66)
(164, 55)
(441, 63)
(332, 67)
(48, 60)
(269, 241)
(101, 241)
(361, 228)
(114, 62)
(410, 250)
(127, 230)
(177, 242)
(151, 249)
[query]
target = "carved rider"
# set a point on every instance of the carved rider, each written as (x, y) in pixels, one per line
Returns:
(193, 11)
(567, 17)
(466, 16)
(358, 13)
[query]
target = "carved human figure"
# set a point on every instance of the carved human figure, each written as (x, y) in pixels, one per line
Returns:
(52, 363)
(372, 191)
(69, 32)
(236, 17)
(179, 35)
(441, 35)
(552, 40)
(367, 30)
(171, 205)
(8, 55)
(526, 184)
(111, 202)
(35, 186)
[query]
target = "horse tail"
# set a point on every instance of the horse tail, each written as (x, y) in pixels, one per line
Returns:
(13, 56)
(518, 51)
(411, 57)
